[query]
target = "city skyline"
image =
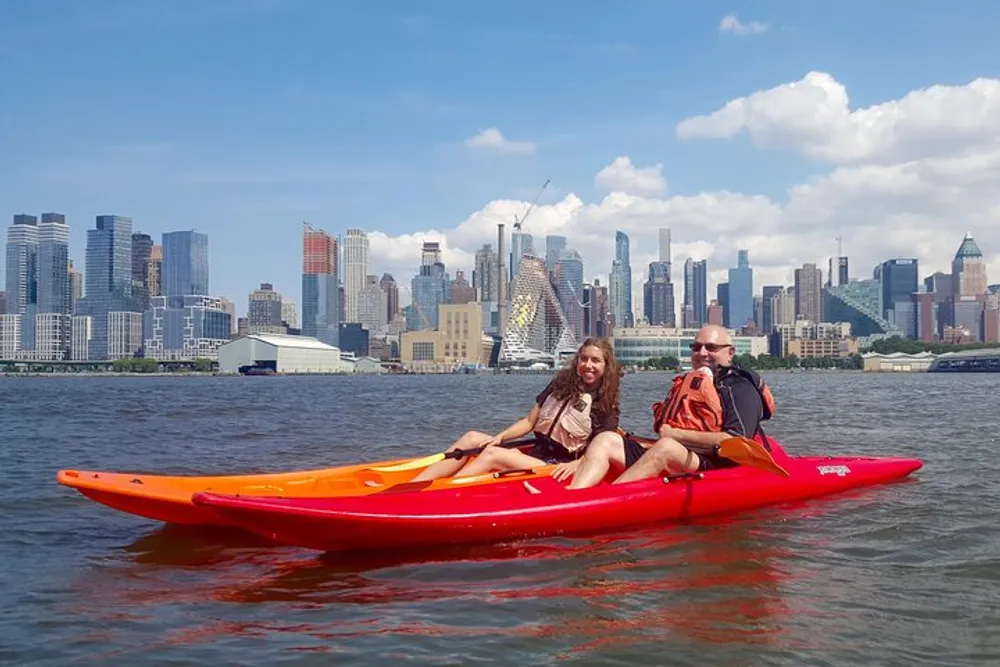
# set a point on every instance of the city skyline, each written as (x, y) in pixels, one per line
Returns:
(727, 152)
(337, 264)
(125, 312)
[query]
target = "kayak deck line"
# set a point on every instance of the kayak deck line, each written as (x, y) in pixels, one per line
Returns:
(542, 506)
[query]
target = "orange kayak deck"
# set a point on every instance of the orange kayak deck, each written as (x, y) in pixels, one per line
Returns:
(168, 498)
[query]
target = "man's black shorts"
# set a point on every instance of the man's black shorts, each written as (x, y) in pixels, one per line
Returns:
(634, 451)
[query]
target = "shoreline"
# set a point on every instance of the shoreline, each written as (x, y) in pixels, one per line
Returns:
(490, 373)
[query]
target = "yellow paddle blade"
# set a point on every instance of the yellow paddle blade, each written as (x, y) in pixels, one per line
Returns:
(750, 453)
(411, 465)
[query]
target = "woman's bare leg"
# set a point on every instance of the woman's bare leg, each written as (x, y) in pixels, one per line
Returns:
(449, 467)
(496, 459)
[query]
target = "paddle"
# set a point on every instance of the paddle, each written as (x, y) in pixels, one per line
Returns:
(738, 449)
(441, 456)
(749, 453)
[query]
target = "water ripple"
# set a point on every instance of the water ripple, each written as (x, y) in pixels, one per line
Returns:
(903, 574)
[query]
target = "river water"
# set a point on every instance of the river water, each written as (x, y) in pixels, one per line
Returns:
(902, 574)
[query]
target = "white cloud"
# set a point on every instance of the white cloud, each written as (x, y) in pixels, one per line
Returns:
(622, 176)
(730, 23)
(403, 252)
(813, 116)
(490, 139)
(912, 189)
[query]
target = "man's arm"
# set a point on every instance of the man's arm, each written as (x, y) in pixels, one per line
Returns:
(741, 408)
(697, 441)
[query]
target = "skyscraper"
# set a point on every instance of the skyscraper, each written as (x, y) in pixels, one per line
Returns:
(264, 310)
(52, 326)
(319, 252)
(357, 261)
(658, 295)
(320, 286)
(108, 277)
(722, 300)
(899, 281)
(767, 307)
(391, 291)
(53, 264)
(808, 293)
(618, 294)
(968, 269)
(739, 309)
(554, 245)
(142, 250)
(485, 281)
(154, 271)
(568, 276)
(430, 253)
(624, 275)
(22, 255)
(75, 279)
(371, 308)
(837, 272)
(695, 293)
(665, 250)
(484, 275)
(429, 289)
(185, 264)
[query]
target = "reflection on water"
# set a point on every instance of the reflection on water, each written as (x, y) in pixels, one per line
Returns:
(715, 581)
(192, 546)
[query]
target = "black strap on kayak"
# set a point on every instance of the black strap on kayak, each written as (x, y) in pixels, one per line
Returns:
(767, 441)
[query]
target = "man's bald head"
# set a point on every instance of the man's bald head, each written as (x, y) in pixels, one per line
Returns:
(712, 347)
(714, 333)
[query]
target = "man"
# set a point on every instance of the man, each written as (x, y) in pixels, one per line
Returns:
(675, 451)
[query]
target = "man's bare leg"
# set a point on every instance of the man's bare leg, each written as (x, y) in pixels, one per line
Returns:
(665, 455)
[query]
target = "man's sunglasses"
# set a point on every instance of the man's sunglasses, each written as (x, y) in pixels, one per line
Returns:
(711, 347)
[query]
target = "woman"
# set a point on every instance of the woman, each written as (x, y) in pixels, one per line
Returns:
(580, 402)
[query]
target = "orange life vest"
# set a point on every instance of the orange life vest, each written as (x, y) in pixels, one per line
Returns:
(693, 403)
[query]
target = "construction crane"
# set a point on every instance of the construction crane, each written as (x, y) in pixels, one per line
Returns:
(531, 206)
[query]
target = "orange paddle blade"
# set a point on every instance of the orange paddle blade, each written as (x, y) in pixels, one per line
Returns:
(750, 453)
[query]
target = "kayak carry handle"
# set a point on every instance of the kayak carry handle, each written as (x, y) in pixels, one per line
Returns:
(511, 473)
(677, 476)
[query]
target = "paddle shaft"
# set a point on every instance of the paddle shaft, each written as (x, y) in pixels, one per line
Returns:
(462, 453)
(453, 454)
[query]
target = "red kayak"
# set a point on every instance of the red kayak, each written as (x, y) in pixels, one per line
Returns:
(540, 506)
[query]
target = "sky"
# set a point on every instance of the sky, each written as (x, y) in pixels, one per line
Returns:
(772, 126)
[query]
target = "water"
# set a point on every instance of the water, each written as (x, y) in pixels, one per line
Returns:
(902, 574)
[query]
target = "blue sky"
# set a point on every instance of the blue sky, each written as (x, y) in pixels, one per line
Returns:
(242, 119)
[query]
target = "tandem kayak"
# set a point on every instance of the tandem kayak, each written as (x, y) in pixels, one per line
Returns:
(540, 506)
(168, 498)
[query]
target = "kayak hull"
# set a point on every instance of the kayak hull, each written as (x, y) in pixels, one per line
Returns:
(168, 498)
(541, 506)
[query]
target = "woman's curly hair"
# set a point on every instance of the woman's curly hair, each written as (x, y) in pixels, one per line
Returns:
(568, 384)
